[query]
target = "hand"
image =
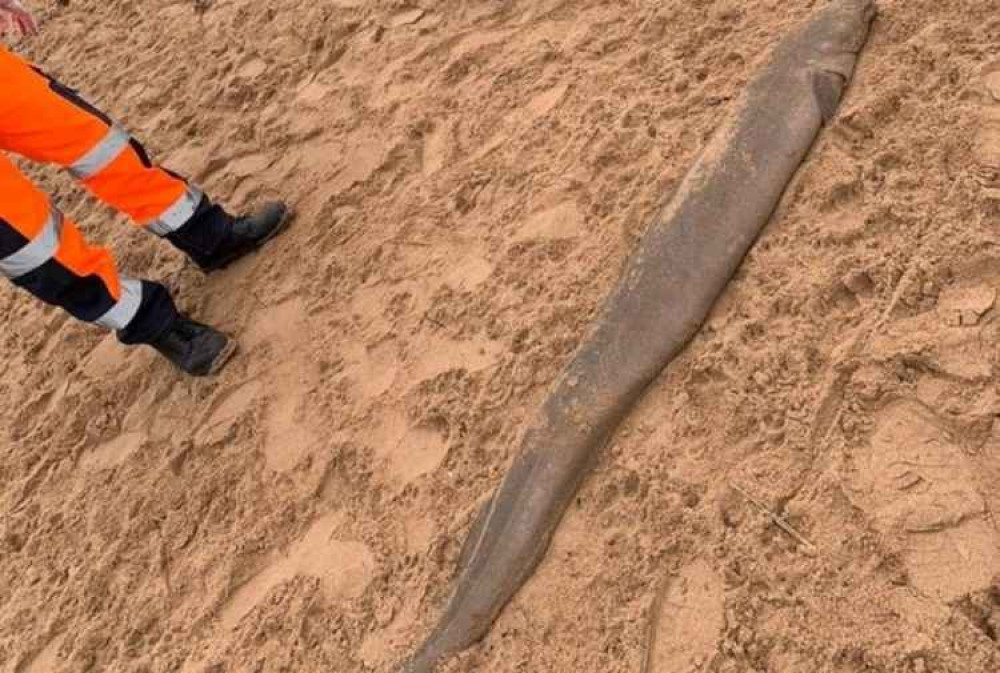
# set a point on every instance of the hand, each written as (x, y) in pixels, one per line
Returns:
(13, 13)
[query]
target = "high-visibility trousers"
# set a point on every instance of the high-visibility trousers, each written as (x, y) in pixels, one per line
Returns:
(42, 251)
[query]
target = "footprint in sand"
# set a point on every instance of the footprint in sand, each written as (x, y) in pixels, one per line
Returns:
(45, 660)
(114, 453)
(467, 272)
(344, 569)
(689, 620)
(524, 118)
(437, 355)
(288, 433)
(917, 485)
(385, 374)
(288, 437)
(252, 68)
(561, 221)
(409, 451)
(159, 411)
(437, 148)
(248, 165)
(382, 369)
(312, 92)
(363, 156)
(228, 412)
(372, 371)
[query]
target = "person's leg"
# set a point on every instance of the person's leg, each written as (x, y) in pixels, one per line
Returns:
(45, 121)
(43, 252)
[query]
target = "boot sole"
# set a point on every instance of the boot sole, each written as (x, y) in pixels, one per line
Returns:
(223, 358)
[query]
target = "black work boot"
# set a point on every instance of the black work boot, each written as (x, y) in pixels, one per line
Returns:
(194, 348)
(247, 233)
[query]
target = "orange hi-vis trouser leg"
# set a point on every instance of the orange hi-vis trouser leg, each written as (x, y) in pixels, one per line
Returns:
(40, 249)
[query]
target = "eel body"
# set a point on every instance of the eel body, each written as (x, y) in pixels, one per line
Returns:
(681, 265)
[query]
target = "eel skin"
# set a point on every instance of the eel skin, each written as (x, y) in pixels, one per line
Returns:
(681, 265)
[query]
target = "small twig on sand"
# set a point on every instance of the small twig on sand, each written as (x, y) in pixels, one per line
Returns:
(777, 520)
(655, 610)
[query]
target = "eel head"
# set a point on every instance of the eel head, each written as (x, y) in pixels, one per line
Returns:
(835, 39)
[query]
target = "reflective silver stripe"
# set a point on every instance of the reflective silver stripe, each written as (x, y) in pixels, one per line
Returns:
(38, 251)
(178, 214)
(121, 314)
(101, 156)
